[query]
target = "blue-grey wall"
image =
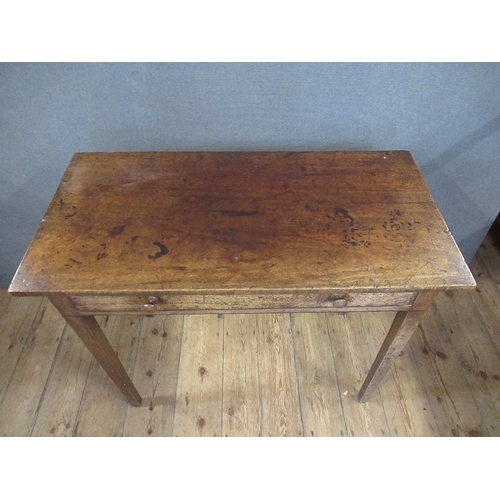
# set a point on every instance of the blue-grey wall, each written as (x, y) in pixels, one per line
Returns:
(447, 115)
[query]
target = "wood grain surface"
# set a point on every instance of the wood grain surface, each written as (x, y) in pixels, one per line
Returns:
(126, 223)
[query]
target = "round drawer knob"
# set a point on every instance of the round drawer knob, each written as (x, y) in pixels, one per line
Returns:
(149, 307)
(153, 299)
(340, 302)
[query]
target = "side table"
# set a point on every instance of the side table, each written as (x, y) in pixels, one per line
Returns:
(223, 232)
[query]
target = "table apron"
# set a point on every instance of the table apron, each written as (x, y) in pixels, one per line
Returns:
(319, 301)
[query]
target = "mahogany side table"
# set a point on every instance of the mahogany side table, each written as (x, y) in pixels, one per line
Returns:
(222, 232)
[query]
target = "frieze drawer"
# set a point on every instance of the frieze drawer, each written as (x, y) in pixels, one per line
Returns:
(241, 302)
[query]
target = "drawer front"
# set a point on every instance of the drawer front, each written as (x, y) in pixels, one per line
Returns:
(286, 301)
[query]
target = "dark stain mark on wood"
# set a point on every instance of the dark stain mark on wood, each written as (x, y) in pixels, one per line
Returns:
(151, 407)
(496, 377)
(202, 370)
(75, 261)
(115, 231)
(154, 331)
(149, 373)
(344, 213)
(200, 422)
(101, 256)
(481, 374)
(230, 411)
(473, 433)
(71, 215)
(304, 169)
(287, 155)
(351, 237)
(103, 245)
(134, 238)
(427, 348)
(186, 398)
(163, 251)
(150, 431)
(235, 213)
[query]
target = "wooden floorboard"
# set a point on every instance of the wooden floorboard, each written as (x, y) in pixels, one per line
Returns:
(279, 392)
(155, 376)
(258, 375)
(198, 406)
(241, 408)
(321, 401)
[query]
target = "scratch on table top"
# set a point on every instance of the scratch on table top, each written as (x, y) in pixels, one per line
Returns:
(417, 271)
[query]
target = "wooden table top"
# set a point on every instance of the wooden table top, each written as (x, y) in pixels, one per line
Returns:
(193, 222)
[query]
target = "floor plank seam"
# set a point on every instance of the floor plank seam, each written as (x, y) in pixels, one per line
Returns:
(337, 377)
(223, 333)
(177, 375)
(381, 399)
(298, 377)
(47, 381)
(132, 370)
(74, 432)
(28, 335)
(486, 328)
(481, 257)
(259, 378)
(457, 355)
(422, 384)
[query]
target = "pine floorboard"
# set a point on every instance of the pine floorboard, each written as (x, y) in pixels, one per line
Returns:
(258, 375)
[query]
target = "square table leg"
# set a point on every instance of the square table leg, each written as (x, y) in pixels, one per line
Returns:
(399, 334)
(91, 334)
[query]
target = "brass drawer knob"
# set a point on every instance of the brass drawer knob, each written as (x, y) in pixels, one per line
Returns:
(149, 307)
(338, 300)
(153, 299)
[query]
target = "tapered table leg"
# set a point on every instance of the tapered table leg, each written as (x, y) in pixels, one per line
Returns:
(401, 330)
(91, 334)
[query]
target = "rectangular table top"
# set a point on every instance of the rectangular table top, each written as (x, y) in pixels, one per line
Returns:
(242, 221)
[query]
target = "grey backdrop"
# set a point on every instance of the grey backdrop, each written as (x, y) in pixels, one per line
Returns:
(447, 115)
